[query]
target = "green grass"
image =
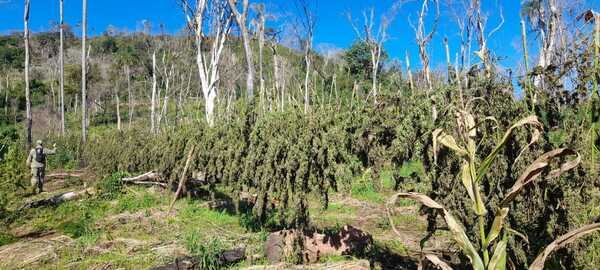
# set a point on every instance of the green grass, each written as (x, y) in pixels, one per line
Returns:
(6, 238)
(363, 189)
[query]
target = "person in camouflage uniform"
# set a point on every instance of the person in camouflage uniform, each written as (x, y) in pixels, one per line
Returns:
(37, 161)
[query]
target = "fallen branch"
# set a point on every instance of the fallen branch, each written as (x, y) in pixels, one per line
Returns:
(182, 179)
(144, 177)
(58, 199)
(63, 175)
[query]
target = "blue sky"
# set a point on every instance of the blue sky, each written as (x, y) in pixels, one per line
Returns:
(332, 30)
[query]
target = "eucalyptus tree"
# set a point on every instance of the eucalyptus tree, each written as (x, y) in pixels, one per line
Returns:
(62, 71)
(241, 18)
(29, 122)
(208, 18)
(83, 73)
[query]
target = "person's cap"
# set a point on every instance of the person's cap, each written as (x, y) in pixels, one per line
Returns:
(38, 142)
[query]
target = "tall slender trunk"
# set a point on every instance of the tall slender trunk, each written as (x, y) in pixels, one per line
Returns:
(29, 122)
(129, 96)
(83, 73)
(153, 102)
(529, 91)
(375, 57)
(62, 72)
(6, 98)
(411, 83)
(241, 18)
(118, 104)
(261, 45)
(306, 83)
(448, 65)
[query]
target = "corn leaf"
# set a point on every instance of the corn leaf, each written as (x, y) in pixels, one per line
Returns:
(498, 261)
(520, 235)
(467, 180)
(538, 263)
(457, 229)
(496, 225)
(439, 136)
(487, 162)
(438, 262)
(537, 167)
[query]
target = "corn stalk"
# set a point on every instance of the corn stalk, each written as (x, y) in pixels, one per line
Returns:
(494, 239)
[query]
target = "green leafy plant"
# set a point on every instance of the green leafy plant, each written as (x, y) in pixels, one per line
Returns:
(494, 239)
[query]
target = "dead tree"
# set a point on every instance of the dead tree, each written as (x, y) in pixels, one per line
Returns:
(374, 41)
(118, 104)
(129, 95)
(215, 18)
(260, 29)
(423, 38)
(62, 71)
(482, 37)
(153, 98)
(241, 19)
(83, 73)
(307, 22)
(411, 83)
(545, 18)
(29, 121)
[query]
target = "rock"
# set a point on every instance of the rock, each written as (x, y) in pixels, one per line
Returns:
(280, 245)
(347, 241)
(233, 255)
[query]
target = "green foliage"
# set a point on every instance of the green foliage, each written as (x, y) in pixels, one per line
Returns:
(358, 60)
(112, 186)
(12, 52)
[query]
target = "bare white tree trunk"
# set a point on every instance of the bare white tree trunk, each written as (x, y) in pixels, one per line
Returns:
(208, 67)
(118, 104)
(411, 83)
(307, 61)
(6, 97)
(153, 101)
(29, 122)
(261, 45)
(129, 96)
(241, 18)
(62, 71)
(83, 73)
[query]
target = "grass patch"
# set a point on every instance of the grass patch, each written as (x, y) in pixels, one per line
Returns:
(134, 202)
(6, 239)
(363, 189)
(207, 253)
(334, 258)
(396, 246)
(192, 212)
